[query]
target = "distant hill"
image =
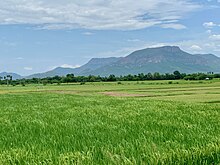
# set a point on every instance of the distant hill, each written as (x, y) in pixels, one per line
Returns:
(91, 66)
(14, 75)
(162, 59)
(94, 64)
(57, 71)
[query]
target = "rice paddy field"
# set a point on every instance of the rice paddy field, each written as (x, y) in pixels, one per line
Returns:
(150, 122)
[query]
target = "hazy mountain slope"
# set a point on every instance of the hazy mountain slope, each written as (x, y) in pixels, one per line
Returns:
(14, 75)
(163, 59)
(94, 64)
(57, 71)
(211, 59)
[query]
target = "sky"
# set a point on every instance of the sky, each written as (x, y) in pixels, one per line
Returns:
(40, 35)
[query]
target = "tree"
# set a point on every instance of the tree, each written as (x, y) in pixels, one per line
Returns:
(8, 79)
(1, 80)
(141, 76)
(149, 76)
(111, 78)
(70, 78)
(177, 75)
(156, 76)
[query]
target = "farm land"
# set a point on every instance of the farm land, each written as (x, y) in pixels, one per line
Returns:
(146, 122)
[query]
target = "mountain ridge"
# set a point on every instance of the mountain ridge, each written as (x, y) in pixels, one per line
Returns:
(164, 59)
(15, 76)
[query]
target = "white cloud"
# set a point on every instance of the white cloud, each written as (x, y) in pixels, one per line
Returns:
(202, 45)
(28, 68)
(156, 45)
(88, 33)
(213, 0)
(195, 48)
(174, 26)
(209, 24)
(209, 31)
(95, 14)
(215, 37)
(8, 43)
(19, 58)
(133, 40)
(69, 66)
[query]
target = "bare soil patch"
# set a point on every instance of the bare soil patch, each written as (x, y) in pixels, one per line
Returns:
(62, 91)
(119, 94)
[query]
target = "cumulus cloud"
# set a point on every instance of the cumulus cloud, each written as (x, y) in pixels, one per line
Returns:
(195, 47)
(28, 68)
(96, 14)
(174, 26)
(215, 37)
(134, 40)
(209, 24)
(19, 58)
(88, 33)
(69, 66)
(209, 31)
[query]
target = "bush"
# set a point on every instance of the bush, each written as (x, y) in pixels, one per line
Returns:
(44, 83)
(23, 84)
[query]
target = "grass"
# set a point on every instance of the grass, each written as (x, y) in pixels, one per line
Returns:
(175, 123)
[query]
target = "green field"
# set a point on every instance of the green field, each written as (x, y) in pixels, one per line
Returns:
(151, 122)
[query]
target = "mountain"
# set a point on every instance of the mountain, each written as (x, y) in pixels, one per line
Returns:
(57, 71)
(92, 65)
(14, 75)
(162, 59)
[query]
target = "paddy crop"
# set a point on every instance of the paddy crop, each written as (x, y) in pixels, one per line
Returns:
(78, 124)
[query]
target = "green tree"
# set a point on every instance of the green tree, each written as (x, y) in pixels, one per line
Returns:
(111, 78)
(177, 75)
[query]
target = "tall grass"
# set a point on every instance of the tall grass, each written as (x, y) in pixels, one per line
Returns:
(49, 128)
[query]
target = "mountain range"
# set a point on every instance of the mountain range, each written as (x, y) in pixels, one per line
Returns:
(14, 75)
(164, 59)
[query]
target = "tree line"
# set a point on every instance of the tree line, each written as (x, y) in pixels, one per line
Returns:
(71, 78)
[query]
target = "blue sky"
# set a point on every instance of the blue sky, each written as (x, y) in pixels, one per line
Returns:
(37, 36)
